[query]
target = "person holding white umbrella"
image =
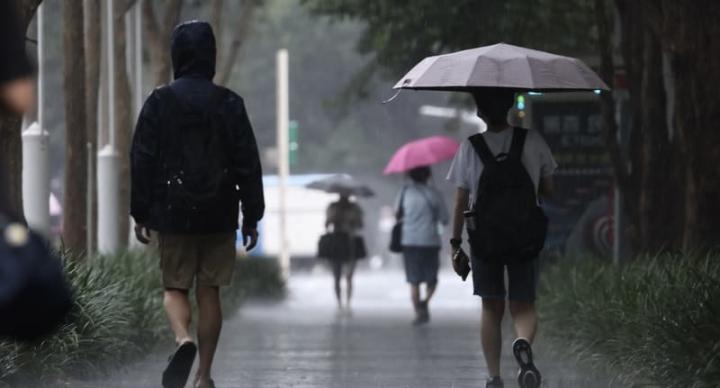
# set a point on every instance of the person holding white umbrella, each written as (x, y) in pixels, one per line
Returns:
(489, 272)
(500, 176)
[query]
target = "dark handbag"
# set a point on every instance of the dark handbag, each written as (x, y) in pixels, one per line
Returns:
(34, 295)
(336, 246)
(396, 234)
(327, 246)
(360, 248)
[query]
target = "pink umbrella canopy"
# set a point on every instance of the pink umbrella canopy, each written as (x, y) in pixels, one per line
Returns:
(422, 152)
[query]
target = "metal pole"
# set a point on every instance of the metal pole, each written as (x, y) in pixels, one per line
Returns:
(617, 228)
(35, 173)
(111, 69)
(618, 216)
(108, 184)
(40, 59)
(90, 223)
(283, 157)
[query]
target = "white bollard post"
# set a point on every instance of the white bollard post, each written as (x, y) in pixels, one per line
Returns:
(283, 144)
(108, 200)
(36, 179)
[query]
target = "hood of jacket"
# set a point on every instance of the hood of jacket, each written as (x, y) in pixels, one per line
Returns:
(193, 50)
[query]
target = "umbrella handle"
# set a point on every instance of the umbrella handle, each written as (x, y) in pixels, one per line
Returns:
(407, 81)
(394, 96)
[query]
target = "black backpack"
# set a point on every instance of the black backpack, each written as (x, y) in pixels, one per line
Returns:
(195, 160)
(506, 223)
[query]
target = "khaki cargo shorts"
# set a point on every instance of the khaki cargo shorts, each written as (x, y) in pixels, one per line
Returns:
(209, 258)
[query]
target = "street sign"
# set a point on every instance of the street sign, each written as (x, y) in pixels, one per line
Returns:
(293, 138)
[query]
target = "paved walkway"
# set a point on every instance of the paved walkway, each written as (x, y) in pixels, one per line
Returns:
(304, 343)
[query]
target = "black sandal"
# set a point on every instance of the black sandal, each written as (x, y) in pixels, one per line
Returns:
(180, 364)
(528, 376)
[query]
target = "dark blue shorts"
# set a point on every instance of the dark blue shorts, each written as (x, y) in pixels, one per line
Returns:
(489, 279)
(421, 264)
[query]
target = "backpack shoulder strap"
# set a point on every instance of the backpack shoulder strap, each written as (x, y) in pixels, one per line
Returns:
(518, 143)
(482, 149)
(430, 204)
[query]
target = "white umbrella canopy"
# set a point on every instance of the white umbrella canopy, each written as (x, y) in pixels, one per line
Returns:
(501, 66)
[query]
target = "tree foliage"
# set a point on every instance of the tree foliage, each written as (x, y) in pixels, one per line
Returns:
(666, 160)
(402, 32)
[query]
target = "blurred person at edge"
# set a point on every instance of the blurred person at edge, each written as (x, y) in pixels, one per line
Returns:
(34, 296)
(16, 83)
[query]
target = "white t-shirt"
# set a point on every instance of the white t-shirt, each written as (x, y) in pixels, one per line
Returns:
(467, 167)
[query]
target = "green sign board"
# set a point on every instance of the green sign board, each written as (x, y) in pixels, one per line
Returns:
(293, 138)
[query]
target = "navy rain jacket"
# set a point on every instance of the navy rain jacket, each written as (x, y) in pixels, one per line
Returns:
(193, 57)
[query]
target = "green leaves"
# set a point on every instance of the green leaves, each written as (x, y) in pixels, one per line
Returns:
(401, 33)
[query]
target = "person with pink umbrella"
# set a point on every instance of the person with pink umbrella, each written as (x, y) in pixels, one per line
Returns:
(420, 210)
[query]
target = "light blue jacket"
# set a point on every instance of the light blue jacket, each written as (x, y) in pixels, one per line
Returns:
(424, 211)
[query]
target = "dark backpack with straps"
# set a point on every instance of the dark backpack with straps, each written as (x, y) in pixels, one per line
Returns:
(506, 223)
(195, 160)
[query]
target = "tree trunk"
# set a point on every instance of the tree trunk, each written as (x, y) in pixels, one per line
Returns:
(698, 114)
(625, 170)
(158, 33)
(10, 127)
(74, 215)
(93, 50)
(227, 57)
(11, 161)
(123, 118)
(688, 32)
(656, 168)
(659, 227)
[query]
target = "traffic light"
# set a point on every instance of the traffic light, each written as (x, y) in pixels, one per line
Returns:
(520, 105)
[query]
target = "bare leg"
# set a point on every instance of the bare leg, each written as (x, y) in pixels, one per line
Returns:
(209, 325)
(491, 332)
(525, 319)
(337, 274)
(430, 291)
(415, 295)
(349, 279)
(179, 313)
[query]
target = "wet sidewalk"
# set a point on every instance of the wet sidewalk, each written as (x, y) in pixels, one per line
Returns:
(303, 342)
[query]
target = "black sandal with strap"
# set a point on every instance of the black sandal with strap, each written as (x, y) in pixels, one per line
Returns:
(180, 364)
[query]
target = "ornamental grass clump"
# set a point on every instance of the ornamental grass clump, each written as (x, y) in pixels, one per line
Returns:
(654, 320)
(118, 315)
